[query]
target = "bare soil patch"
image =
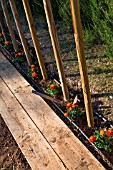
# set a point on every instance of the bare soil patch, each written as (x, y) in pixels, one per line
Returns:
(11, 158)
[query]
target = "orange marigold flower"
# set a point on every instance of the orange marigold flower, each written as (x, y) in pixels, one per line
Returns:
(68, 105)
(0, 34)
(109, 132)
(66, 114)
(6, 42)
(70, 108)
(34, 74)
(16, 55)
(52, 87)
(19, 54)
(74, 105)
(33, 69)
(92, 139)
(102, 132)
(32, 66)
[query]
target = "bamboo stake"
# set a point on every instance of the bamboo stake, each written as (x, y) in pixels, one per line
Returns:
(34, 38)
(75, 9)
(20, 31)
(5, 11)
(2, 28)
(56, 48)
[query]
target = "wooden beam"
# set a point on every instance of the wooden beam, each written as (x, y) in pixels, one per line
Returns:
(34, 38)
(20, 31)
(28, 137)
(75, 9)
(8, 22)
(56, 47)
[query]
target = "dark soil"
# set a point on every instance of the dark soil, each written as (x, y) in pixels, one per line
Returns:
(11, 158)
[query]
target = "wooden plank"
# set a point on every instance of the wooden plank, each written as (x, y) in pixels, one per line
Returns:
(34, 146)
(75, 9)
(56, 47)
(35, 38)
(73, 153)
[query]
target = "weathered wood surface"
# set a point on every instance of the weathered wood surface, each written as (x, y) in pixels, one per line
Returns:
(70, 150)
(34, 146)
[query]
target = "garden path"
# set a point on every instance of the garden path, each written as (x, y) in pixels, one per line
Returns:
(46, 142)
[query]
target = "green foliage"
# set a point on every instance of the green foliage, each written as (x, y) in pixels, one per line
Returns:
(96, 16)
(29, 71)
(102, 17)
(1, 39)
(64, 12)
(102, 142)
(74, 113)
(19, 59)
(55, 91)
(8, 46)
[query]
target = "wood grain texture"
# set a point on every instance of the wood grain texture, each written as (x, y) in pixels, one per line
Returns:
(75, 10)
(34, 146)
(70, 150)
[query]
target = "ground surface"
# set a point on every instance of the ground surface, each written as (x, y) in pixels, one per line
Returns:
(11, 158)
(41, 135)
(100, 67)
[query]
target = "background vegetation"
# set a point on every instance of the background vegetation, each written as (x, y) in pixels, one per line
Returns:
(96, 15)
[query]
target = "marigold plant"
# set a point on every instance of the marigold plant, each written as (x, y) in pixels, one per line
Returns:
(73, 111)
(53, 89)
(20, 56)
(92, 139)
(7, 44)
(33, 71)
(34, 74)
(102, 139)
(109, 132)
